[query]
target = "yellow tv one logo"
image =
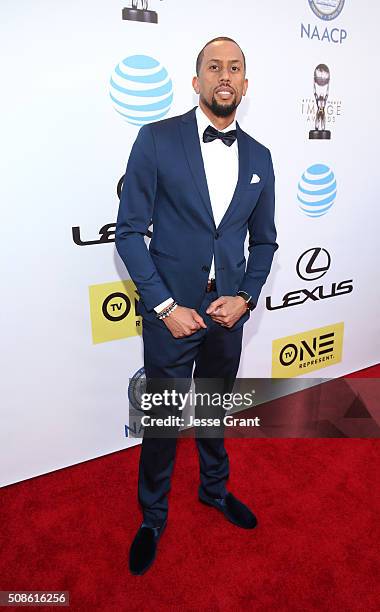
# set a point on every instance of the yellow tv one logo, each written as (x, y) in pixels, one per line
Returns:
(308, 351)
(113, 311)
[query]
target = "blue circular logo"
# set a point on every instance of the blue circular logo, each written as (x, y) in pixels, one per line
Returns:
(141, 89)
(317, 190)
(326, 9)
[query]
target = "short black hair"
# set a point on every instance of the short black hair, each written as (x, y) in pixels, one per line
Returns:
(201, 53)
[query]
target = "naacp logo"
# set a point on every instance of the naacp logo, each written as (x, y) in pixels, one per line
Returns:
(327, 9)
(141, 89)
(136, 388)
(317, 190)
(313, 264)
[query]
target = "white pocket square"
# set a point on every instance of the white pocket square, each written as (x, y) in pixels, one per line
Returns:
(255, 179)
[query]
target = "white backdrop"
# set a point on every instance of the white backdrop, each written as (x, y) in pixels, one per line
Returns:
(64, 149)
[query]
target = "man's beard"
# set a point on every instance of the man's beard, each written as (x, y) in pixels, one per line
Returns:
(220, 110)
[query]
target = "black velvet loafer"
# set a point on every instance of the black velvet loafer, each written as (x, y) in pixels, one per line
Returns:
(233, 509)
(144, 548)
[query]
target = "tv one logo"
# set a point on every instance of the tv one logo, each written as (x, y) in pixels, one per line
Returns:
(113, 311)
(327, 11)
(307, 351)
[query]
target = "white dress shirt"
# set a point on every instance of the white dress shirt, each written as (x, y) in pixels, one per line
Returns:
(221, 164)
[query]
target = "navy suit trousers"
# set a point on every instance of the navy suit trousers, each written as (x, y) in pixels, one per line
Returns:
(215, 351)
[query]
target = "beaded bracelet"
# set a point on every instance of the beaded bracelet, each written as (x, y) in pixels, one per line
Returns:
(164, 311)
(167, 311)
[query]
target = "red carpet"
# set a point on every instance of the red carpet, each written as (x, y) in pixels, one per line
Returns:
(372, 372)
(316, 547)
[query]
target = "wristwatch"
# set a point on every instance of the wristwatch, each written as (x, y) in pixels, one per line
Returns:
(248, 299)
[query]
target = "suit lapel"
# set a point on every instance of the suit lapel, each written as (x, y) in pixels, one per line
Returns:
(244, 165)
(190, 137)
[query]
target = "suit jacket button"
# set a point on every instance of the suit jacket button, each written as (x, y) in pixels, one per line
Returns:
(216, 235)
(205, 269)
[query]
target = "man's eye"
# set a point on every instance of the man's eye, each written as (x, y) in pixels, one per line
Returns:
(213, 66)
(235, 68)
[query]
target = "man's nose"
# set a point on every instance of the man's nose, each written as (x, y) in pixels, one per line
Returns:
(224, 75)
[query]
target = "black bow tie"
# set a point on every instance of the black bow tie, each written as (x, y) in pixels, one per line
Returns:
(211, 134)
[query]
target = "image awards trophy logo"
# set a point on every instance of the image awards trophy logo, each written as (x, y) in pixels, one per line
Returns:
(140, 12)
(321, 93)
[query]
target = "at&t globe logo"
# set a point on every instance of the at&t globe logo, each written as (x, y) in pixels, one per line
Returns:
(141, 89)
(317, 190)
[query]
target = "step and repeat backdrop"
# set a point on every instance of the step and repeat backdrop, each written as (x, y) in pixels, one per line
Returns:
(79, 80)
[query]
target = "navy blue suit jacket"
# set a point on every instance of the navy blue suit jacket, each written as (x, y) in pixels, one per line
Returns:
(165, 182)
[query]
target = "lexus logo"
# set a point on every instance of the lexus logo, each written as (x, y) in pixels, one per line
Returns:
(313, 264)
(120, 186)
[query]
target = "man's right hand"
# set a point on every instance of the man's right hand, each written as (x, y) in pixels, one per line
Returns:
(184, 322)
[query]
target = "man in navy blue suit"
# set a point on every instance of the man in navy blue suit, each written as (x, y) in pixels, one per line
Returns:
(204, 183)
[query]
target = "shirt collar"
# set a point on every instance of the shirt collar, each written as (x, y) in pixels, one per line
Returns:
(203, 121)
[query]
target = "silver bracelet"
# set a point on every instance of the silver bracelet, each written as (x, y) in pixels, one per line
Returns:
(167, 311)
(170, 310)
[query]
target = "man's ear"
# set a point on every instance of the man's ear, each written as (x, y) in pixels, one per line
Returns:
(245, 87)
(195, 83)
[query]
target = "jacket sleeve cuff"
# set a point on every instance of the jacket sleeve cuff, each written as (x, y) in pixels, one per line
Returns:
(161, 306)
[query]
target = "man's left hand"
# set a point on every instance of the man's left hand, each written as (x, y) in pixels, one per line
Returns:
(227, 309)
